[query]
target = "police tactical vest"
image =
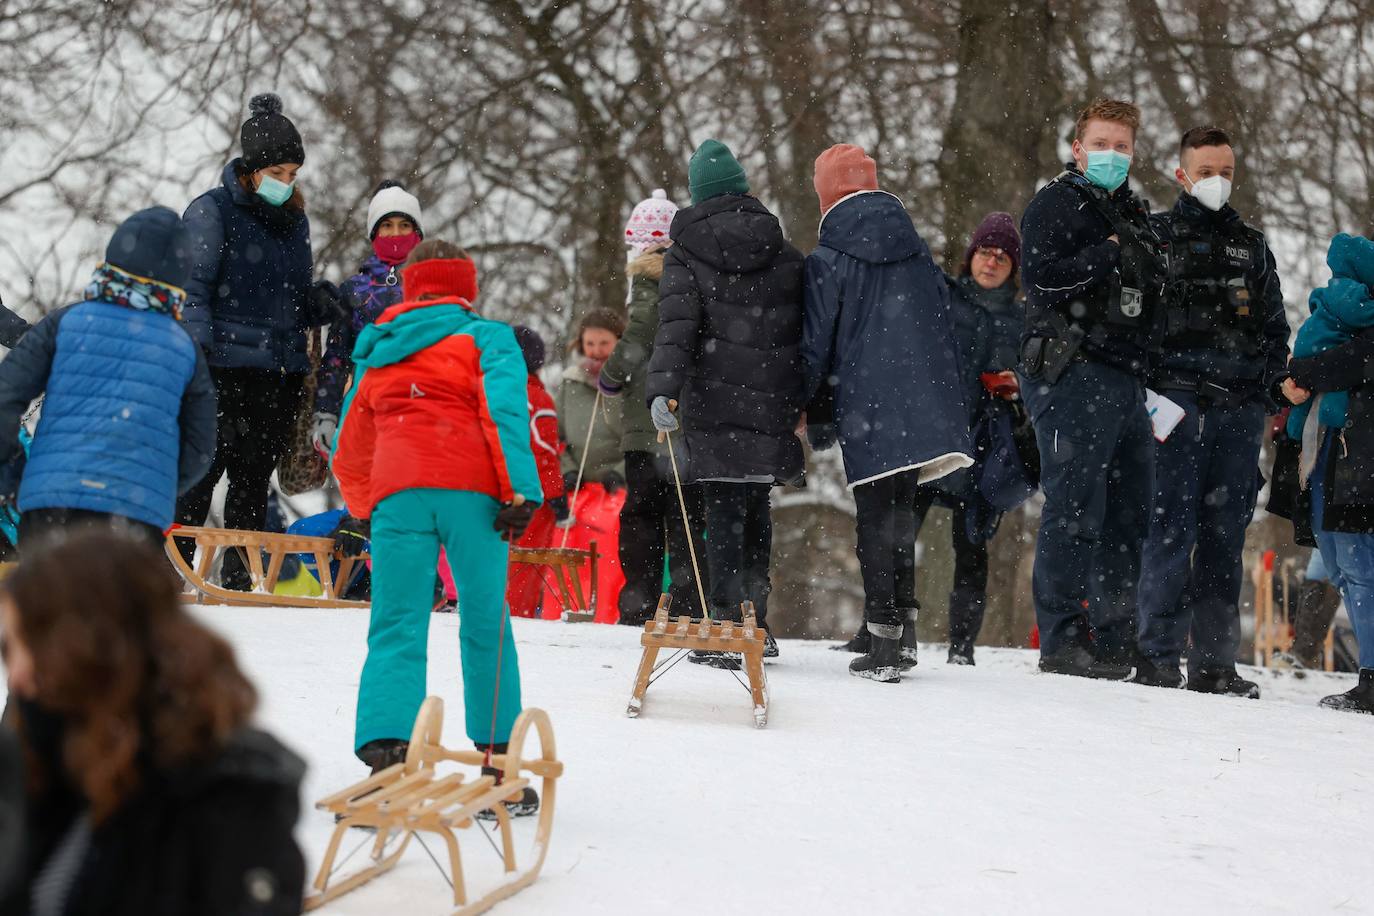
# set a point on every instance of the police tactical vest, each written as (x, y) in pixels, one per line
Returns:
(1212, 298)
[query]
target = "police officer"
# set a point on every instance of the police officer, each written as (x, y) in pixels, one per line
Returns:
(1222, 359)
(1092, 268)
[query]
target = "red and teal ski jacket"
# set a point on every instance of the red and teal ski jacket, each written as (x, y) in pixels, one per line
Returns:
(439, 400)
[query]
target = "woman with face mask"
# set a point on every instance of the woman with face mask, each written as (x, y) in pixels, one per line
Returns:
(250, 301)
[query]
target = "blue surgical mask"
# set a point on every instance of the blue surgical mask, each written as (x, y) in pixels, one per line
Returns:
(275, 192)
(1107, 168)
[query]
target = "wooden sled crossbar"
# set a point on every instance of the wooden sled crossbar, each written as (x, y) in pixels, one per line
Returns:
(252, 545)
(411, 798)
(688, 633)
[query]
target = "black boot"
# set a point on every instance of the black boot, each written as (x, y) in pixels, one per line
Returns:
(770, 645)
(960, 653)
(1152, 674)
(524, 806)
(859, 643)
(883, 661)
(1358, 699)
(382, 753)
(1222, 681)
(909, 659)
(233, 574)
(1076, 661)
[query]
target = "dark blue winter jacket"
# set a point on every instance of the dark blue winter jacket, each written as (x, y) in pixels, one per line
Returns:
(375, 288)
(973, 334)
(248, 302)
(878, 332)
(128, 421)
(1252, 357)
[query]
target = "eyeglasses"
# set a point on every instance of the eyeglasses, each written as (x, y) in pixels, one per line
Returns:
(996, 255)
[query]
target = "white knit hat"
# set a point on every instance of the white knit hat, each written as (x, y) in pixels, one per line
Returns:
(393, 199)
(650, 221)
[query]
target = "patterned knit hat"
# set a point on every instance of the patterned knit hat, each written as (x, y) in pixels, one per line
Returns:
(649, 223)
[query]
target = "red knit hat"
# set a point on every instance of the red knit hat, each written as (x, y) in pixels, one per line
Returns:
(446, 277)
(997, 230)
(842, 170)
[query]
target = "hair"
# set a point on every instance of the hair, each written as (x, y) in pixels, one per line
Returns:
(1198, 137)
(436, 250)
(602, 319)
(1103, 109)
(136, 680)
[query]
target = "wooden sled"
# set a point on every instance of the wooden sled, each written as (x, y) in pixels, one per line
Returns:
(210, 542)
(687, 633)
(410, 798)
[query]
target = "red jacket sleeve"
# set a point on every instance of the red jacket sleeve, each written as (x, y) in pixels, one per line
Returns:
(544, 439)
(354, 452)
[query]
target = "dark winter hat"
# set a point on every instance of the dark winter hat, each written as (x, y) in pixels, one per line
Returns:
(268, 137)
(532, 345)
(997, 230)
(714, 171)
(152, 244)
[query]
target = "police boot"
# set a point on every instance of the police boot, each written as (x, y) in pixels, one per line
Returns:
(1359, 699)
(1222, 681)
(1156, 674)
(1076, 661)
(883, 660)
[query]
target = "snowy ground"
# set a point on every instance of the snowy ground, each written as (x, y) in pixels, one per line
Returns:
(993, 789)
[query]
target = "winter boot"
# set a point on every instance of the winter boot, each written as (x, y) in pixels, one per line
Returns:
(1318, 602)
(859, 642)
(909, 659)
(770, 645)
(1076, 661)
(1224, 681)
(727, 661)
(382, 753)
(882, 663)
(524, 806)
(960, 653)
(1358, 699)
(1152, 674)
(233, 574)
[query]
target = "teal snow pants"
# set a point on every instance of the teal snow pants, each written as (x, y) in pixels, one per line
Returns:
(408, 528)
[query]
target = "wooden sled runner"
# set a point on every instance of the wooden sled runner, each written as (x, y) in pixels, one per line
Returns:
(211, 542)
(686, 633)
(410, 798)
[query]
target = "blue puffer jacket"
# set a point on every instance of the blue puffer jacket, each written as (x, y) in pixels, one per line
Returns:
(877, 329)
(248, 302)
(128, 419)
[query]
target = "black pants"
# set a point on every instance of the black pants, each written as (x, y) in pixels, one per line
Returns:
(886, 526)
(739, 544)
(969, 597)
(650, 519)
(40, 526)
(257, 413)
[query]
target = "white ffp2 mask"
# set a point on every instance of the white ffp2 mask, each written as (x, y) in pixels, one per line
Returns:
(1211, 192)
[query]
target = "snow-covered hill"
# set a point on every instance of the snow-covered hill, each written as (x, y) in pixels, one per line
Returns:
(993, 789)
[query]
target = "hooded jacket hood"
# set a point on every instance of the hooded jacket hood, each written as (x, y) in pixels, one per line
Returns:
(1351, 257)
(871, 226)
(732, 233)
(407, 328)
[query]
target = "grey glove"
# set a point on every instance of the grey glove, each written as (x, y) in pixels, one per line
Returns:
(323, 430)
(662, 414)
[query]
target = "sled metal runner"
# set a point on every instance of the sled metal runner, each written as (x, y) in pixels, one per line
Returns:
(686, 634)
(252, 545)
(411, 798)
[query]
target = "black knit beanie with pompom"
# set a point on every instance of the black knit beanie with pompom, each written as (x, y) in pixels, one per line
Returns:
(268, 137)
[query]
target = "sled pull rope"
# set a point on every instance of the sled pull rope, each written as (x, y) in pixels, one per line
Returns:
(581, 467)
(686, 523)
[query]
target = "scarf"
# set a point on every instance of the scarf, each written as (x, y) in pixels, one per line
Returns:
(111, 284)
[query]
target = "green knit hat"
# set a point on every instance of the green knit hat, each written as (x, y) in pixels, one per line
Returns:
(714, 171)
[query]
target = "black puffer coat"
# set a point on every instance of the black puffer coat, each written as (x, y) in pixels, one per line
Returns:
(728, 346)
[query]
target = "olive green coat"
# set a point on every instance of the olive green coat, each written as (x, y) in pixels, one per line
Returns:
(629, 364)
(575, 400)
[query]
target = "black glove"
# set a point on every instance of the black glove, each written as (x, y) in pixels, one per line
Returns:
(559, 505)
(328, 302)
(570, 481)
(351, 536)
(821, 435)
(512, 520)
(11, 473)
(612, 481)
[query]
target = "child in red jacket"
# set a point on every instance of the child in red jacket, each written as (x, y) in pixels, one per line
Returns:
(434, 449)
(525, 583)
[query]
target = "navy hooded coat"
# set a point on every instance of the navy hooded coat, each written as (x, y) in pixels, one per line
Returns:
(878, 331)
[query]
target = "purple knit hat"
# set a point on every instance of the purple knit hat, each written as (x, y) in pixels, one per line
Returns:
(997, 230)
